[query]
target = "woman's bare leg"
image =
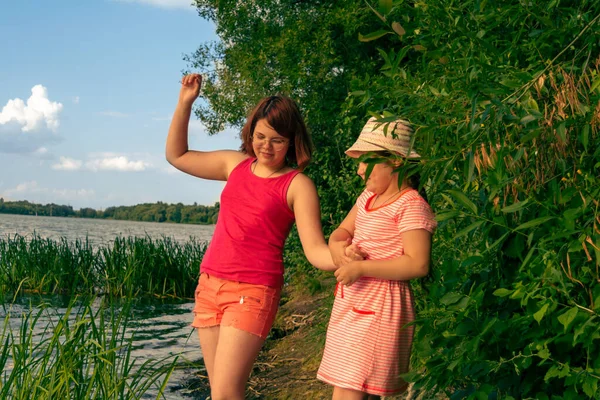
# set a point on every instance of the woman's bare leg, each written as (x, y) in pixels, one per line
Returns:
(233, 360)
(209, 339)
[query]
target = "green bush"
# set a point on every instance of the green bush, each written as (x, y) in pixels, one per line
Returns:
(504, 96)
(506, 100)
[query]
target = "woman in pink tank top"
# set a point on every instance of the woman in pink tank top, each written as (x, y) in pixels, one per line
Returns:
(242, 271)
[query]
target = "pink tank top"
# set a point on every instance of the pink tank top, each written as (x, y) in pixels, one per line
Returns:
(254, 222)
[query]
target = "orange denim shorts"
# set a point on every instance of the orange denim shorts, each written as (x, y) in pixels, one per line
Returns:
(246, 306)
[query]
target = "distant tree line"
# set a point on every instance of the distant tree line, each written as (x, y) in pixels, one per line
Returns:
(149, 212)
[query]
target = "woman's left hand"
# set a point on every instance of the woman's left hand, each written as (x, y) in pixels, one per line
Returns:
(349, 273)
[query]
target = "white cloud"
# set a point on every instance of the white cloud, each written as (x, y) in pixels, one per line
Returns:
(31, 116)
(116, 163)
(106, 162)
(74, 193)
(42, 154)
(67, 164)
(76, 99)
(114, 114)
(184, 4)
(51, 195)
(25, 187)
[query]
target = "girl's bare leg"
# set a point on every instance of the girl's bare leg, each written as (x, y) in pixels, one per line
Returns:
(350, 394)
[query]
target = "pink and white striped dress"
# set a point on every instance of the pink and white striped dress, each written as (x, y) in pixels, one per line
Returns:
(368, 345)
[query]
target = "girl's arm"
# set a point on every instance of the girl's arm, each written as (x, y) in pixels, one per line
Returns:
(215, 165)
(414, 263)
(304, 201)
(341, 238)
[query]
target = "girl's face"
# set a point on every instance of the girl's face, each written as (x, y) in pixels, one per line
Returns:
(269, 146)
(382, 180)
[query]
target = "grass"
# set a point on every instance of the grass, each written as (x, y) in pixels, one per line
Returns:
(127, 267)
(84, 354)
(87, 352)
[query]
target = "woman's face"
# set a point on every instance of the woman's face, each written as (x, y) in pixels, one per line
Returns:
(269, 146)
(382, 178)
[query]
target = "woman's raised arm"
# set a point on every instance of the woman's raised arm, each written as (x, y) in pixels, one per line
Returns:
(214, 165)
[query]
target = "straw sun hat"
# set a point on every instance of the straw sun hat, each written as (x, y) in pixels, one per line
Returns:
(374, 138)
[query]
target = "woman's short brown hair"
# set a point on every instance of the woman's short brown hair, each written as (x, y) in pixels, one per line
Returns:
(283, 115)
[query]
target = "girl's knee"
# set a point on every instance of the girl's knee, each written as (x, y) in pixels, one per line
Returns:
(348, 394)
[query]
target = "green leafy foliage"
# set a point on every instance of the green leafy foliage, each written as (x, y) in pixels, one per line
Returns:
(505, 98)
(508, 126)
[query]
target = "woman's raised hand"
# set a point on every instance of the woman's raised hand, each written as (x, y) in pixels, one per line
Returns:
(190, 88)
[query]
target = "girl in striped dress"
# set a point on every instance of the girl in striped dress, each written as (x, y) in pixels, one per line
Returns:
(368, 341)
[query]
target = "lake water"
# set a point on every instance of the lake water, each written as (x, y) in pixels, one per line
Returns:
(98, 231)
(161, 329)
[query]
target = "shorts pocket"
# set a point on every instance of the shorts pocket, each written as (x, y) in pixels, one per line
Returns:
(258, 300)
(251, 297)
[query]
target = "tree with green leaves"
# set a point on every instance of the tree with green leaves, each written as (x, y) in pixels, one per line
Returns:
(505, 97)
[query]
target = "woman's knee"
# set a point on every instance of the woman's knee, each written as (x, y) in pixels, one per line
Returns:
(226, 391)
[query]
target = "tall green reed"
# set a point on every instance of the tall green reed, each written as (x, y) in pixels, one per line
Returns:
(128, 266)
(84, 354)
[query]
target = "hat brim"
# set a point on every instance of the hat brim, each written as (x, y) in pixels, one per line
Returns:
(360, 147)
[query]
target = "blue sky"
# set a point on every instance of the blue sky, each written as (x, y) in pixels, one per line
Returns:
(87, 89)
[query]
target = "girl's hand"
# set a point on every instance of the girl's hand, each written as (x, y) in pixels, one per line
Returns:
(338, 252)
(190, 88)
(355, 253)
(349, 273)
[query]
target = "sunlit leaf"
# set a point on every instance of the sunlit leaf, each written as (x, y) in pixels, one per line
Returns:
(562, 132)
(398, 29)
(544, 353)
(469, 229)
(539, 315)
(535, 222)
(372, 36)
(567, 317)
(385, 6)
(595, 84)
(450, 298)
(585, 137)
(515, 207)
(447, 215)
(502, 292)
(528, 118)
(463, 199)
(590, 386)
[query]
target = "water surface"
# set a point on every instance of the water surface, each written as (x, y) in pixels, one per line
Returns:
(99, 232)
(160, 328)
